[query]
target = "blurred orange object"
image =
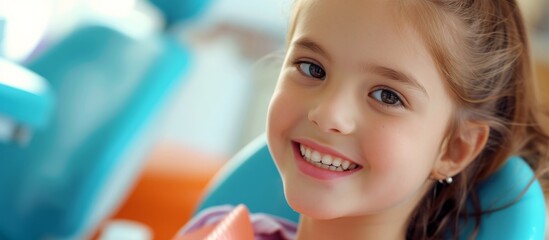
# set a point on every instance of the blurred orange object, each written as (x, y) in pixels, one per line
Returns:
(169, 188)
(235, 226)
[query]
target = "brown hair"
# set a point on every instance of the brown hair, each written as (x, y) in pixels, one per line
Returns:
(481, 49)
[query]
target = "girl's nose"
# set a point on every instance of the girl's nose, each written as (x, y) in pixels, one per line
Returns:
(334, 114)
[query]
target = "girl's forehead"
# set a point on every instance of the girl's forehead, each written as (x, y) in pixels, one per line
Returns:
(360, 24)
(360, 16)
(350, 8)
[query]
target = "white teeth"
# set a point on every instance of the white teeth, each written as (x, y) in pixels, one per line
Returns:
(345, 164)
(316, 156)
(337, 162)
(326, 161)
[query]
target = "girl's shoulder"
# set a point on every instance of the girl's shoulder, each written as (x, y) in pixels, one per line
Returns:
(262, 226)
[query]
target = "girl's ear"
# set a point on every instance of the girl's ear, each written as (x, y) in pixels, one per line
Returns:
(459, 150)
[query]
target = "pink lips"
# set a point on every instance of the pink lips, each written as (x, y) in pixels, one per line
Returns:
(316, 172)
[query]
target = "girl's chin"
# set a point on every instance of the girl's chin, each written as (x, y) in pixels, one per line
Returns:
(312, 210)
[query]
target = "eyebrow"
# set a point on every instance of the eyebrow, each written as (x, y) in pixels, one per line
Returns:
(305, 43)
(397, 76)
(387, 72)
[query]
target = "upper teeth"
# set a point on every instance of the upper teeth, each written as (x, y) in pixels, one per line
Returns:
(325, 161)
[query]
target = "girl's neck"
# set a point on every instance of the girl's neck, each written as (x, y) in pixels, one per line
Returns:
(371, 227)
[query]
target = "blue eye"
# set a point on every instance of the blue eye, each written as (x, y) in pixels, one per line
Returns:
(311, 70)
(388, 97)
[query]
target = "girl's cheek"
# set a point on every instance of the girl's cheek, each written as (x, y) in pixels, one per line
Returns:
(287, 102)
(393, 149)
(282, 113)
(382, 153)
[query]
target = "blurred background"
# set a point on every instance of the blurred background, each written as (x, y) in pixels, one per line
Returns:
(114, 115)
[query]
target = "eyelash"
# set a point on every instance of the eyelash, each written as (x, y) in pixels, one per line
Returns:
(399, 98)
(299, 65)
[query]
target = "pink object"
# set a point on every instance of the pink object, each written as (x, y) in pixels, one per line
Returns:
(262, 226)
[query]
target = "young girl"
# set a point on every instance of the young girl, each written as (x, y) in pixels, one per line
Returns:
(379, 101)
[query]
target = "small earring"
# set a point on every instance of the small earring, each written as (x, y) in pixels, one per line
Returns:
(448, 180)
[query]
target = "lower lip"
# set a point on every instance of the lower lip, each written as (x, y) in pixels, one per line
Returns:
(316, 172)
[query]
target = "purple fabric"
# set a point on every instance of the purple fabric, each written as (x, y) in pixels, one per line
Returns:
(266, 227)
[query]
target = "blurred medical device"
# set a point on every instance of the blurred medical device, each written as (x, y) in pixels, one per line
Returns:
(88, 100)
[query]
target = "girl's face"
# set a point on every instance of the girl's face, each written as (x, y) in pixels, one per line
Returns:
(360, 111)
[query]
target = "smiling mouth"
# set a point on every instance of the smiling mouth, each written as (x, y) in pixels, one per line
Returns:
(326, 161)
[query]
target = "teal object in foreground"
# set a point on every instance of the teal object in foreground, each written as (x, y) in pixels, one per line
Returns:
(25, 97)
(251, 178)
(108, 87)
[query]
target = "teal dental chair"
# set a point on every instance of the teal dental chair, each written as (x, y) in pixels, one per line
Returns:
(75, 170)
(27, 103)
(251, 178)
